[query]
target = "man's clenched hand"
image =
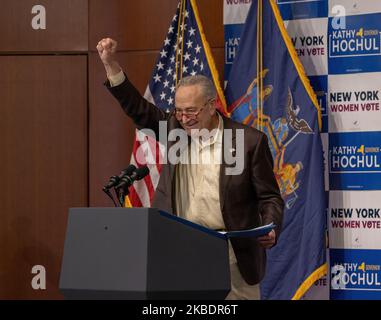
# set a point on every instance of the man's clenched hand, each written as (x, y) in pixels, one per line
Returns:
(107, 52)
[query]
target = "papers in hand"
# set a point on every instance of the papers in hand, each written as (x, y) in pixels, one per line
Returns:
(250, 233)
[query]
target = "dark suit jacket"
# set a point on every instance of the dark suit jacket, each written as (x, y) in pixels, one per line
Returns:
(248, 200)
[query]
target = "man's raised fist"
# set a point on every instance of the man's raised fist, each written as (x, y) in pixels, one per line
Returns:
(106, 50)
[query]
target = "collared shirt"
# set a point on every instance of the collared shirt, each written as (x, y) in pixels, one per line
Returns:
(197, 180)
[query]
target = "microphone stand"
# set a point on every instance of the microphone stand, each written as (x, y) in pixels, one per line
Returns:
(121, 189)
(107, 191)
(122, 192)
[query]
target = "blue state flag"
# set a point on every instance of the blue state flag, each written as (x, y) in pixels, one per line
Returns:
(268, 89)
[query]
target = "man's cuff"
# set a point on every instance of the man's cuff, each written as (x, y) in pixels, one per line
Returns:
(116, 79)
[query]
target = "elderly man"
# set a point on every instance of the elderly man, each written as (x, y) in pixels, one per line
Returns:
(206, 193)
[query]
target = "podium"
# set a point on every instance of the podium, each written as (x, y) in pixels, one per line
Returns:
(141, 253)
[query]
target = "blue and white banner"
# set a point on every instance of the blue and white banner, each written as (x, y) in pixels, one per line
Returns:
(232, 38)
(290, 119)
(355, 161)
(339, 44)
(235, 13)
(354, 220)
(354, 102)
(357, 46)
(355, 274)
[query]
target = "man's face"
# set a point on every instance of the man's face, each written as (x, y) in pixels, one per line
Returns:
(194, 111)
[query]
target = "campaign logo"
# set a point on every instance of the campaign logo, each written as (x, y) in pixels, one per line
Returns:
(309, 45)
(353, 43)
(309, 37)
(320, 86)
(367, 100)
(355, 274)
(355, 158)
(232, 39)
(354, 227)
(349, 110)
(357, 47)
(354, 102)
(303, 9)
(354, 220)
(351, 218)
(355, 161)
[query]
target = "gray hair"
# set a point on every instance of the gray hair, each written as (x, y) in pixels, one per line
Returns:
(205, 83)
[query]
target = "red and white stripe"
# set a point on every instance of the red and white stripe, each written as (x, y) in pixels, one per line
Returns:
(146, 151)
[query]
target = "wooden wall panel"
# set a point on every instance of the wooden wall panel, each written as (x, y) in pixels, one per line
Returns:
(211, 15)
(143, 25)
(66, 26)
(43, 165)
(136, 25)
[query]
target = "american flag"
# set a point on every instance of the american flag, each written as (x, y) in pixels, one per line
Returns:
(185, 52)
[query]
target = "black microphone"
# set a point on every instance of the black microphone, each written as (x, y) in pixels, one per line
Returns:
(114, 180)
(128, 180)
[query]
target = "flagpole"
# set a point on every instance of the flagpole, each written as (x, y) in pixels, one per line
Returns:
(179, 24)
(261, 61)
(259, 66)
(182, 42)
(210, 59)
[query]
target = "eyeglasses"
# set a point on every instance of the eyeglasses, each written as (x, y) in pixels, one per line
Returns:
(191, 112)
